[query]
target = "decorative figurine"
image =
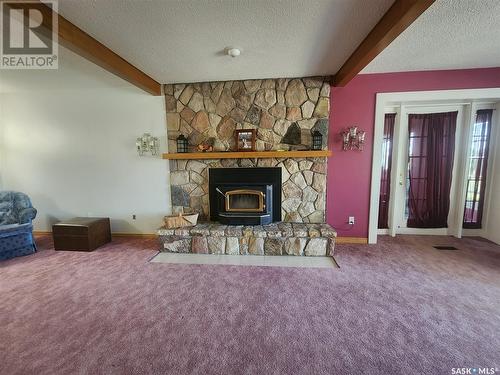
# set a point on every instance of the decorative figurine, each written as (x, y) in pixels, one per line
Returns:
(206, 146)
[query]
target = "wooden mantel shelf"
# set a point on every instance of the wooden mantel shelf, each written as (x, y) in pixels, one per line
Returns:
(248, 155)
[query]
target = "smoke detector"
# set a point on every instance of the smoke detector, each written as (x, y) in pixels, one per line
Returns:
(233, 52)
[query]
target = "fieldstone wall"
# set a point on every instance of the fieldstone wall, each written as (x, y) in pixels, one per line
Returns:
(303, 189)
(284, 113)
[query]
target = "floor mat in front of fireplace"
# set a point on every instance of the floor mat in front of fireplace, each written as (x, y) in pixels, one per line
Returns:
(246, 260)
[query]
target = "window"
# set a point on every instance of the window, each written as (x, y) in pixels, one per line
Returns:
(477, 166)
(385, 180)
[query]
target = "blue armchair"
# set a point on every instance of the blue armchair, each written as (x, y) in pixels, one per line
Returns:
(16, 230)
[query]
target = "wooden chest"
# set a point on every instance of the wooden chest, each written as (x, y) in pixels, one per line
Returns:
(81, 233)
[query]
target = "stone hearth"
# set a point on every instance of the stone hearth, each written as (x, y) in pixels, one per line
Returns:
(274, 239)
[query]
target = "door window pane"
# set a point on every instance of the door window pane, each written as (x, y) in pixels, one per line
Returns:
(478, 165)
(385, 179)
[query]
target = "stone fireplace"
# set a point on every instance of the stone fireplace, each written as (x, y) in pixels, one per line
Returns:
(284, 113)
(275, 205)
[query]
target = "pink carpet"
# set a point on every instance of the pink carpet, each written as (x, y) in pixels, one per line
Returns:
(394, 308)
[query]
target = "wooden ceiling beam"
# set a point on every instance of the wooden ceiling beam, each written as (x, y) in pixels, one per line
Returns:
(399, 16)
(78, 41)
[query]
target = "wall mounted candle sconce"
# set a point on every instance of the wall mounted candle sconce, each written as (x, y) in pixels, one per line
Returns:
(146, 143)
(353, 139)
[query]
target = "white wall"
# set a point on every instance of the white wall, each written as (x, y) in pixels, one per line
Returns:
(69, 142)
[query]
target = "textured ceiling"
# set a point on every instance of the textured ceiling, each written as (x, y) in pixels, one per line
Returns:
(451, 34)
(183, 40)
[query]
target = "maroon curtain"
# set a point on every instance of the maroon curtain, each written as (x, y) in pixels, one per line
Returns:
(430, 166)
(385, 179)
(478, 165)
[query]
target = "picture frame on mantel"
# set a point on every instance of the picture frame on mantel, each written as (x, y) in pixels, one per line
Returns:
(245, 139)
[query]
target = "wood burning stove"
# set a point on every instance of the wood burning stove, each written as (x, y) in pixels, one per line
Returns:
(245, 196)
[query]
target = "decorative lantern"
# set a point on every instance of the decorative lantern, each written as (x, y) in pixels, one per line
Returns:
(182, 144)
(317, 140)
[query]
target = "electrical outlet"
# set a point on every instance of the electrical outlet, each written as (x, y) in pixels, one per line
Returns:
(134, 217)
(351, 220)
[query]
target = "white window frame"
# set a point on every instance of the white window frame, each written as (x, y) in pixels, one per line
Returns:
(384, 100)
(494, 139)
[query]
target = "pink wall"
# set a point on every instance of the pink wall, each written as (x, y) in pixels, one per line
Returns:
(349, 173)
